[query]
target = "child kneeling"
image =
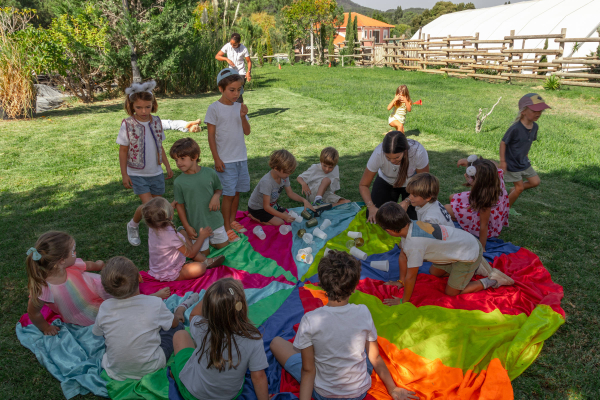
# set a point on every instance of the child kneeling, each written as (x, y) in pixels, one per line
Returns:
(320, 181)
(335, 349)
(138, 329)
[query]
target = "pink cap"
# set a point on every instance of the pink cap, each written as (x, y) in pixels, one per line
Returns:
(533, 101)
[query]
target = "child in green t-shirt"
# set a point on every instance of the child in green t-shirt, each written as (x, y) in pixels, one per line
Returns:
(197, 193)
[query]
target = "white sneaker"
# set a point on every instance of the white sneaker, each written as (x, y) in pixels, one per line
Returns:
(133, 235)
(190, 301)
(501, 278)
(484, 269)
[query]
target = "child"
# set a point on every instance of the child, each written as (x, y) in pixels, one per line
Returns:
(141, 152)
(183, 126)
(227, 344)
(453, 252)
(197, 193)
(138, 330)
(515, 145)
(401, 104)
(335, 349)
(169, 248)
(227, 123)
(424, 189)
(262, 205)
(483, 211)
(320, 181)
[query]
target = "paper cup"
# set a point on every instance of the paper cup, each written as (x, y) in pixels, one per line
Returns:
(258, 231)
(361, 255)
(299, 219)
(383, 265)
(325, 224)
(355, 235)
(308, 238)
(320, 234)
(285, 229)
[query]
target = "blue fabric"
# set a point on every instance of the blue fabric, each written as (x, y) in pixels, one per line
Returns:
(173, 391)
(74, 356)
(495, 247)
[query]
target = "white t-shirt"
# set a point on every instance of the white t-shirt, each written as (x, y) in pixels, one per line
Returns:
(439, 244)
(339, 336)
(417, 159)
(130, 328)
(231, 144)
(434, 213)
(237, 55)
(151, 168)
(315, 174)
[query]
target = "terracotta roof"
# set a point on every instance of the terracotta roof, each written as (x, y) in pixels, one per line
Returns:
(363, 20)
(338, 40)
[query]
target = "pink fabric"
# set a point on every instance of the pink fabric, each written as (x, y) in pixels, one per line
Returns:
(166, 260)
(46, 312)
(469, 219)
(272, 246)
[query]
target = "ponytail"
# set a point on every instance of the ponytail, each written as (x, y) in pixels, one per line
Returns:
(158, 214)
(395, 142)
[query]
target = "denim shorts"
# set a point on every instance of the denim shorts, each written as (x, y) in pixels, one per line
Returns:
(235, 178)
(294, 366)
(166, 340)
(148, 184)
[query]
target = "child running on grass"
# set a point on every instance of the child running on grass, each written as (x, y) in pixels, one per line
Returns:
(453, 252)
(138, 329)
(335, 349)
(515, 146)
(198, 194)
(423, 192)
(399, 106)
(262, 205)
(141, 152)
(227, 124)
(169, 248)
(224, 344)
(320, 181)
(483, 210)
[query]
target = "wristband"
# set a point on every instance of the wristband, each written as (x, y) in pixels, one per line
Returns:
(401, 281)
(370, 203)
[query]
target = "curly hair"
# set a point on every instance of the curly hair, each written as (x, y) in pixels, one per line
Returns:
(185, 147)
(339, 274)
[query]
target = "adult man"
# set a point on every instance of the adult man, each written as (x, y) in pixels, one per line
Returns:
(234, 53)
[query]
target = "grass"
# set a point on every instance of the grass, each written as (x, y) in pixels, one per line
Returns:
(61, 172)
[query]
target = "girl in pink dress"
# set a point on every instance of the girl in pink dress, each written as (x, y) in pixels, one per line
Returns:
(483, 210)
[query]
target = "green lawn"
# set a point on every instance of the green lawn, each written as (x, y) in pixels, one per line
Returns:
(62, 172)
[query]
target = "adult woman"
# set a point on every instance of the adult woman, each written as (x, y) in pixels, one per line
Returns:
(394, 161)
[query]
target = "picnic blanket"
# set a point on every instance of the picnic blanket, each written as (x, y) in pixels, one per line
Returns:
(465, 347)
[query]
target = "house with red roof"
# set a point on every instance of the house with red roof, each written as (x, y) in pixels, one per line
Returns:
(368, 29)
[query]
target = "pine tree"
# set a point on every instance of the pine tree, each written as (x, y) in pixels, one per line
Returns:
(322, 40)
(331, 48)
(269, 49)
(349, 35)
(259, 53)
(355, 28)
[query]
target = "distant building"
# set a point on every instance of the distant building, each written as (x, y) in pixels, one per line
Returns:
(368, 28)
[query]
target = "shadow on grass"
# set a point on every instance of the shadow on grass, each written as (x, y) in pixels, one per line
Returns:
(267, 111)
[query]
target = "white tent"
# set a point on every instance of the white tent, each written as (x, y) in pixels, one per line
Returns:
(581, 18)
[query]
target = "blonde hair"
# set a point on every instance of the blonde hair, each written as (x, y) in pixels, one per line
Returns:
(120, 277)
(283, 161)
(144, 96)
(158, 214)
(402, 90)
(329, 156)
(53, 246)
(519, 115)
(424, 185)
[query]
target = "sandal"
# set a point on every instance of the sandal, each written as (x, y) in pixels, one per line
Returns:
(214, 262)
(231, 236)
(238, 227)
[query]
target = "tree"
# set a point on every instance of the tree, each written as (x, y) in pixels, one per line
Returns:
(398, 14)
(378, 15)
(349, 34)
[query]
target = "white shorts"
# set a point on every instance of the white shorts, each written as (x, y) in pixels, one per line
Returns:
(218, 236)
(401, 120)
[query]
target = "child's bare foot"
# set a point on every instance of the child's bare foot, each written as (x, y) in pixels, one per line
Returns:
(163, 293)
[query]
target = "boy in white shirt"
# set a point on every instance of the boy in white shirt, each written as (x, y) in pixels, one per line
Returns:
(234, 53)
(423, 192)
(454, 253)
(335, 349)
(320, 181)
(138, 329)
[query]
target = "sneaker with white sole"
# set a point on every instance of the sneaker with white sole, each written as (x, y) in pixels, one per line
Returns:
(501, 278)
(133, 235)
(484, 268)
(190, 301)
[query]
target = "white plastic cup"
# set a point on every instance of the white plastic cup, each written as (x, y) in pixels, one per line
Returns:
(299, 219)
(305, 255)
(258, 231)
(327, 250)
(325, 224)
(285, 229)
(308, 238)
(293, 214)
(355, 235)
(361, 255)
(320, 234)
(383, 265)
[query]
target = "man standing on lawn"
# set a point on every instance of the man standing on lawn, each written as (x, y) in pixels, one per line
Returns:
(234, 53)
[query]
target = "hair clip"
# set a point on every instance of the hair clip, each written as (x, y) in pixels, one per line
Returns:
(231, 291)
(471, 171)
(238, 306)
(147, 86)
(35, 255)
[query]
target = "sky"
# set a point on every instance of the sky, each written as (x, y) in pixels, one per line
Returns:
(387, 4)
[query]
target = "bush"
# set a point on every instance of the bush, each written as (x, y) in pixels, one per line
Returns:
(552, 83)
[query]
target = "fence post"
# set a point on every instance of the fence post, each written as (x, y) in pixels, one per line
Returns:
(511, 46)
(561, 46)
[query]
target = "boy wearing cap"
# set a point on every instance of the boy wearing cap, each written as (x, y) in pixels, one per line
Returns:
(516, 143)
(234, 53)
(227, 124)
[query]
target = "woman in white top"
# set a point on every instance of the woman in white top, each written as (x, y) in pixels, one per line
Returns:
(394, 161)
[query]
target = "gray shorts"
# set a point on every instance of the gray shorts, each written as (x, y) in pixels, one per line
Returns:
(235, 178)
(510, 176)
(154, 185)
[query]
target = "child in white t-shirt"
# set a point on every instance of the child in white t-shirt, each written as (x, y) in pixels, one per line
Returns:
(227, 125)
(423, 192)
(454, 253)
(335, 349)
(320, 181)
(138, 329)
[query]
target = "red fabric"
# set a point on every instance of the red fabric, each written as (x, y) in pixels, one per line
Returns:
(533, 286)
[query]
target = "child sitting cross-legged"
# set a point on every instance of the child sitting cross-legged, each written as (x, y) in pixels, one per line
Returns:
(335, 349)
(423, 192)
(138, 329)
(262, 205)
(453, 252)
(320, 181)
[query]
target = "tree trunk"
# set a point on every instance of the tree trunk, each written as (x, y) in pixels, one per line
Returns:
(137, 77)
(312, 46)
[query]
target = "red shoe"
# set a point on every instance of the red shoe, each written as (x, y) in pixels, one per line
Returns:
(238, 227)
(231, 236)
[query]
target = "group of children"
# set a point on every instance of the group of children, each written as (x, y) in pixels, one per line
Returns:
(335, 349)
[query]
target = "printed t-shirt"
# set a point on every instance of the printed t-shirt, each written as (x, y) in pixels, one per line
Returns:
(417, 159)
(78, 299)
(518, 141)
(237, 55)
(131, 332)
(267, 186)
(229, 133)
(434, 213)
(338, 336)
(151, 167)
(195, 192)
(165, 258)
(438, 244)
(315, 174)
(209, 383)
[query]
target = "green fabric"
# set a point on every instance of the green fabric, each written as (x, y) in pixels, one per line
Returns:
(153, 386)
(195, 192)
(181, 359)
(263, 309)
(376, 240)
